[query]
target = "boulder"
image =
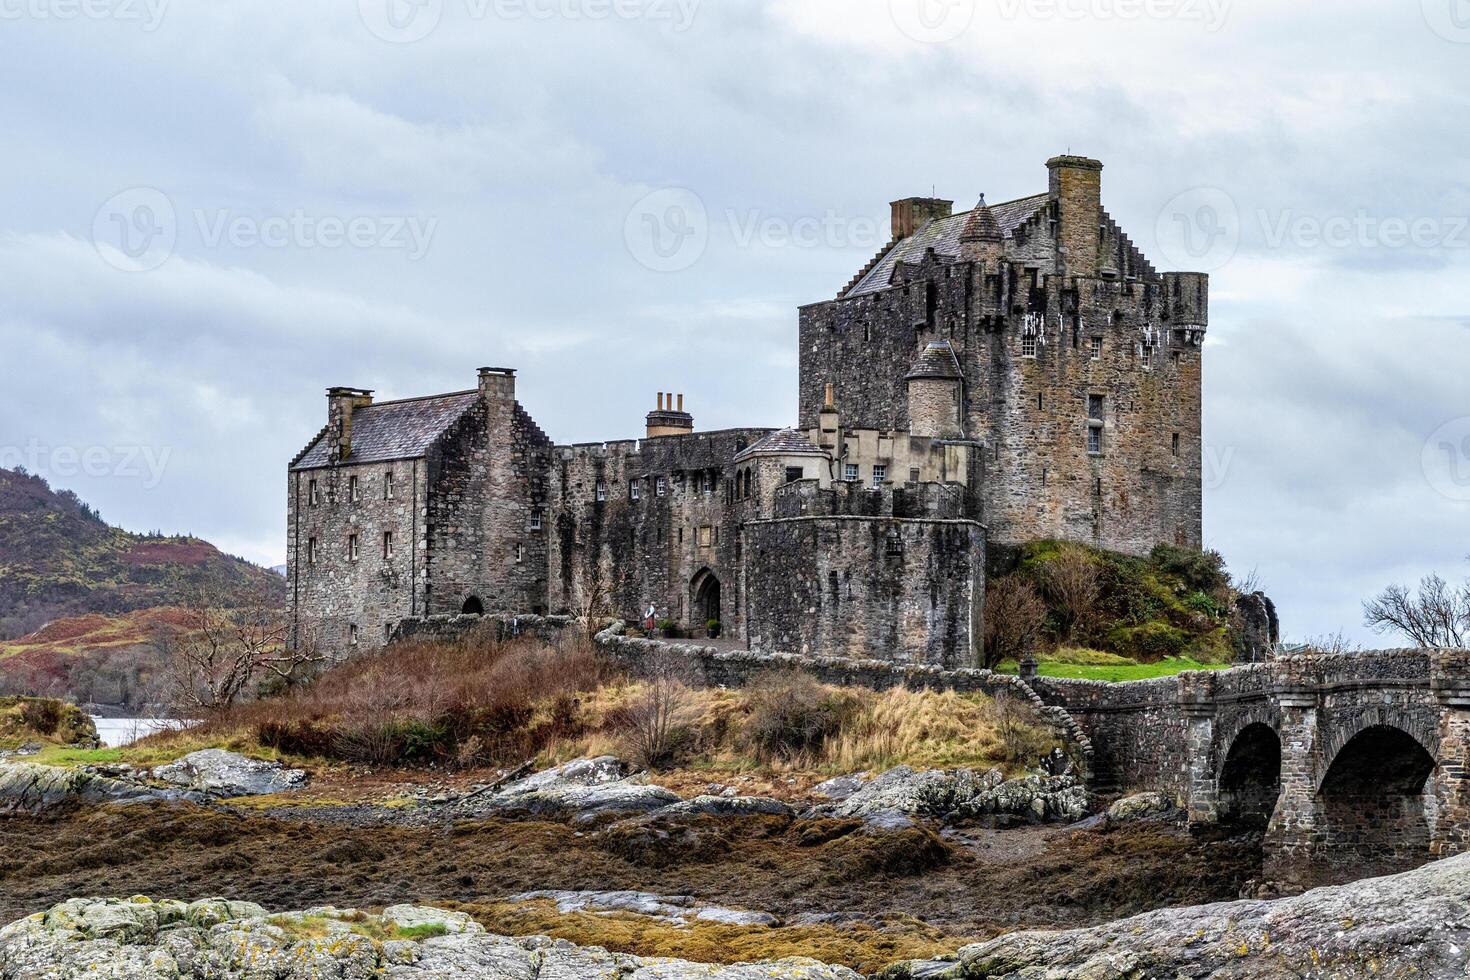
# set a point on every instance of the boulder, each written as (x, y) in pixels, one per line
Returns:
(842, 787)
(1143, 806)
(584, 788)
(1415, 925)
(26, 788)
(732, 806)
(958, 794)
(135, 939)
(224, 775)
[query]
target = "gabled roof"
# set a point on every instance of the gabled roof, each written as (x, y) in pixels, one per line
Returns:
(392, 430)
(782, 442)
(943, 236)
(936, 360)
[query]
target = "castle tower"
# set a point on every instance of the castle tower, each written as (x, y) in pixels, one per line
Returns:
(666, 420)
(934, 385)
(982, 238)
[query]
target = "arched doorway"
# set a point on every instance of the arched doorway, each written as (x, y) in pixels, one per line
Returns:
(705, 588)
(1250, 779)
(473, 606)
(1371, 816)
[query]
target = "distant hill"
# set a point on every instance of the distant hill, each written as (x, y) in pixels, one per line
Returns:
(60, 559)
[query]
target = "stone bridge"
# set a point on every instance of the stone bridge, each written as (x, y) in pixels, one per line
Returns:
(1354, 764)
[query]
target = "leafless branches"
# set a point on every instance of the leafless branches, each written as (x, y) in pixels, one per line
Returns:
(1438, 615)
(1072, 583)
(1014, 615)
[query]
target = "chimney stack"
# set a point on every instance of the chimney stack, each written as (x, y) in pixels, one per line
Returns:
(341, 403)
(1075, 186)
(912, 213)
(668, 420)
(829, 424)
(498, 384)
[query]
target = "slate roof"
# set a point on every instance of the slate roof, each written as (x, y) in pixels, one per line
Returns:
(782, 442)
(936, 360)
(943, 235)
(392, 430)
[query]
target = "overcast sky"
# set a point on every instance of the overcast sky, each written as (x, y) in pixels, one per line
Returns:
(210, 210)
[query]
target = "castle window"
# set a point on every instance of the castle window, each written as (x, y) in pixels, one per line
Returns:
(520, 553)
(352, 547)
(850, 472)
(914, 474)
(311, 551)
(894, 545)
(1148, 355)
(1096, 348)
(601, 490)
(659, 486)
(313, 495)
(794, 473)
(387, 544)
(635, 490)
(832, 586)
(1174, 447)
(880, 475)
(535, 520)
(388, 485)
(1095, 409)
(352, 635)
(354, 492)
(706, 536)
(1028, 345)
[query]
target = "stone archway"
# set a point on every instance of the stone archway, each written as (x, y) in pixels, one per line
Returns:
(1250, 778)
(473, 606)
(1371, 813)
(704, 589)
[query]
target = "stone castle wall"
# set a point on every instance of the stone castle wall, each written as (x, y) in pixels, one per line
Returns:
(901, 589)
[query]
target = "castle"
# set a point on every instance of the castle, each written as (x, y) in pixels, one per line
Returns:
(1013, 372)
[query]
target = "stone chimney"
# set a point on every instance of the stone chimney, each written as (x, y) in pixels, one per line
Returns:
(912, 213)
(669, 420)
(341, 403)
(829, 424)
(498, 384)
(1075, 186)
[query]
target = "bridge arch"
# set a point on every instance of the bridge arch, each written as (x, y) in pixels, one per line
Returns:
(1375, 801)
(1249, 782)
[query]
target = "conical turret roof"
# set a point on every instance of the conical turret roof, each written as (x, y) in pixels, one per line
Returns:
(982, 225)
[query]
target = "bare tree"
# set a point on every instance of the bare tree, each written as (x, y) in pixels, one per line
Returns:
(1438, 615)
(213, 658)
(1014, 614)
(1073, 585)
(658, 716)
(591, 607)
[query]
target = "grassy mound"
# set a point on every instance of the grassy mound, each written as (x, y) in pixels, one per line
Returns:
(45, 721)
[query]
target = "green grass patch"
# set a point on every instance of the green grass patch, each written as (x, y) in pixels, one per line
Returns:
(1128, 671)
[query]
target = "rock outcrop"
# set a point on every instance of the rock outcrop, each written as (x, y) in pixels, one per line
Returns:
(225, 775)
(1410, 925)
(681, 909)
(584, 788)
(26, 788)
(957, 794)
(139, 939)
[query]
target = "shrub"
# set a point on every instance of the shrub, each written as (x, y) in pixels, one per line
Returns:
(1152, 641)
(1014, 614)
(42, 716)
(791, 715)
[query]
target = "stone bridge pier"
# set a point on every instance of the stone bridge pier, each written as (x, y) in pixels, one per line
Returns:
(1353, 765)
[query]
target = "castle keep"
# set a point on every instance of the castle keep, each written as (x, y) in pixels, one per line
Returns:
(1013, 372)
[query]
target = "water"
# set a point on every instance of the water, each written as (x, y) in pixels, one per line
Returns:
(125, 731)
